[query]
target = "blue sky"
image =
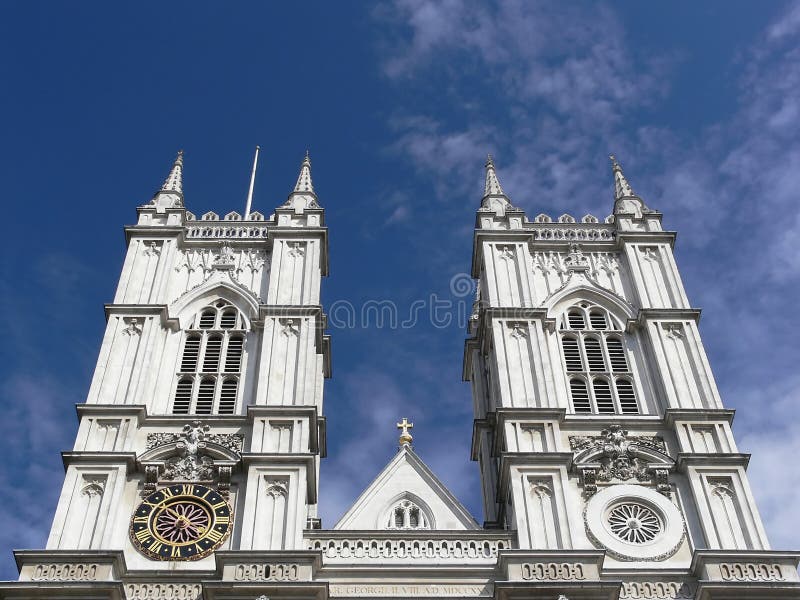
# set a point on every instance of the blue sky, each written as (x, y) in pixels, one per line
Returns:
(399, 103)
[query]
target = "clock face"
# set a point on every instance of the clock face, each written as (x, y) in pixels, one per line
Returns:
(181, 522)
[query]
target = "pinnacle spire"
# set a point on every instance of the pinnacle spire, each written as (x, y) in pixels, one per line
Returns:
(492, 187)
(170, 195)
(304, 184)
(303, 195)
(174, 181)
(622, 189)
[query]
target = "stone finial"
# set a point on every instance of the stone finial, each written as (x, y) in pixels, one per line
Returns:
(304, 183)
(405, 436)
(170, 195)
(303, 195)
(174, 181)
(492, 186)
(622, 189)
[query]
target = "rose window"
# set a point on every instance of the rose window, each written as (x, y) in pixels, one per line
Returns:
(634, 523)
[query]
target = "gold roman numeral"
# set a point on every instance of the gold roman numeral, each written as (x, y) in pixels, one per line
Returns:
(142, 535)
(222, 520)
(142, 520)
(187, 489)
(214, 535)
(155, 547)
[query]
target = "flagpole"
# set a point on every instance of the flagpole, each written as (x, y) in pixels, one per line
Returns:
(252, 183)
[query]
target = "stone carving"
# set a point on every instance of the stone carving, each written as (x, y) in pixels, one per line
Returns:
(751, 572)
(620, 458)
(506, 252)
(152, 249)
(93, 486)
(225, 255)
(266, 572)
(163, 591)
(289, 327)
(553, 572)
(65, 572)
(230, 230)
(674, 330)
(193, 434)
(277, 488)
(576, 258)
(297, 249)
(133, 326)
(574, 232)
(382, 548)
(190, 464)
(518, 330)
(262, 597)
(659, 590)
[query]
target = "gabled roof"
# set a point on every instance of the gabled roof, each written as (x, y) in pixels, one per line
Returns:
(406, 477)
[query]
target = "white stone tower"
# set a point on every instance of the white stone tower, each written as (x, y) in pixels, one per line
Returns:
(205, 408)
(599, 431)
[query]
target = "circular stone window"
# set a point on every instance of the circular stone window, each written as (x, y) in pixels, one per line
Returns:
(634, 522)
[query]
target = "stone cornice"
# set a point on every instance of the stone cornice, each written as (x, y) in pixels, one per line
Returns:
(139, 411)
(230, 590)
(650, 314)
(686, 460)
(100, 458)
(527, 459)
(674, 415)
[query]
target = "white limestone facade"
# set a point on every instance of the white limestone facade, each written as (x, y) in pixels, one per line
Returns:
(608, 467)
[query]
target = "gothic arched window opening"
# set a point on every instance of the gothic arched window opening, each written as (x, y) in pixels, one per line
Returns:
(601, 381)
(405, 514)
(211, 362)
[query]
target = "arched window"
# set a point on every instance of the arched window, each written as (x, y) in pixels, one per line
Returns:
(211, 362)
(600, 380)
(407, 515)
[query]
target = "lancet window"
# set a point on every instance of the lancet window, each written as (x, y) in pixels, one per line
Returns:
(210, 364)
(595, 358)
(407, 515)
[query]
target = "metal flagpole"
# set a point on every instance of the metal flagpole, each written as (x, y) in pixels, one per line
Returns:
(252, 183)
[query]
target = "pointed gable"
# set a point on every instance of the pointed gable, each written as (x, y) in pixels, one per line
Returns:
(407, 483)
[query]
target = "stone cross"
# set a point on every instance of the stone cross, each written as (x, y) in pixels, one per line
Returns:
(405, 436)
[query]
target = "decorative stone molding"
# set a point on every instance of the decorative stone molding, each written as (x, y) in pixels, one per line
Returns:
(615, 456)
(576, 232)
(194, 435)
(553, 571)
(65, 572)
(163, 591)
(277, 488)
(422, 549)
(751, 571)
(266, 572)
(151, 248)
(658, 590)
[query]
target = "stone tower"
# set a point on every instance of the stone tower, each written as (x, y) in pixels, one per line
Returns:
(599, 430)
(202, 430)
(607, 461)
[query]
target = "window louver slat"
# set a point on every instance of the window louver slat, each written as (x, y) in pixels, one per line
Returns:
(228, 319)
(616, 354)
(597, 320)
(594, 354)
(205, 397)
(207, 319)
(233, 358)
(572, 355)
(213, 349)
(227, 397)
(576, 320)
(627, 397)
(183, 397)
(602, 396)
(580, 396)
(191, 352)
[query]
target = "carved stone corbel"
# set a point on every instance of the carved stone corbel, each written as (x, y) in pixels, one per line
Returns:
(661, 477)
(224, 481)
(150, 479)
(589, 482)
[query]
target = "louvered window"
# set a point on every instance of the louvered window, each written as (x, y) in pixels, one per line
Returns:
(594, 354)
(211, 362)
(602, 396)
(580, 396)
(576, 320)
(600, 380)
(572, 354)
(627, 397)
(597, 319)
(616, 354)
